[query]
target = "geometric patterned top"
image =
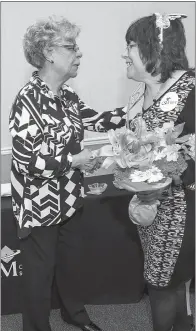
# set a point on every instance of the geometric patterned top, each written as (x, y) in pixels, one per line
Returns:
(46, 131)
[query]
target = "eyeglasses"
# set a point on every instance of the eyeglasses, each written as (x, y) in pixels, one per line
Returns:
(74, 47)
(130, 46)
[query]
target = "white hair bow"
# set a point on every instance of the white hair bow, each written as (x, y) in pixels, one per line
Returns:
(163, 22)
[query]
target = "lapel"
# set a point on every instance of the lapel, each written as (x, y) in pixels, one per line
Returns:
(135, 102)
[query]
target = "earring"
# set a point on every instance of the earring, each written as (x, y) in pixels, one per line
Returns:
(51, 61)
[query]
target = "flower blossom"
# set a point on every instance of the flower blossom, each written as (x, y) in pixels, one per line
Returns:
(155, 174)
(170, 152)
(151, 175)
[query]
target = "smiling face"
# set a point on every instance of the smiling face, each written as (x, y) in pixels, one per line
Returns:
(136, 69)
(66, 57)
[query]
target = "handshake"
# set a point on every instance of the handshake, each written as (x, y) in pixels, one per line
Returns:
(87, 161)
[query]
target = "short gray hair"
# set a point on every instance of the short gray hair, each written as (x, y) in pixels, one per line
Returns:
(44, 34)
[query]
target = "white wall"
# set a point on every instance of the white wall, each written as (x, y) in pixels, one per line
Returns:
(102, 81)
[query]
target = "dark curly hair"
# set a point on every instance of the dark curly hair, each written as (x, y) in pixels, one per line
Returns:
(159, 60)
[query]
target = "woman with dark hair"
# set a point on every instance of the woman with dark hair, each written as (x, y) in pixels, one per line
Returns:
(156, 58)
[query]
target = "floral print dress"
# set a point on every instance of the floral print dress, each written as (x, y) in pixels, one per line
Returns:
(168, 243)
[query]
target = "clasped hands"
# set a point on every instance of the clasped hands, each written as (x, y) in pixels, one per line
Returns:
(84, 160)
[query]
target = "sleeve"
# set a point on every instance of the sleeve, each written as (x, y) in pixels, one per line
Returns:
(102, 122)
(187, 116)
(30, 151)
(114, 119)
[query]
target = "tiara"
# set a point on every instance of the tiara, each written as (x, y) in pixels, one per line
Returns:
(163, 22)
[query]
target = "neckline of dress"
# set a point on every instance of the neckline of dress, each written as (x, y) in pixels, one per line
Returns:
(145, 110)
(37, 80)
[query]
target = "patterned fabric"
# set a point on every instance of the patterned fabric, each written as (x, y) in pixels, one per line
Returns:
(107, 120)
(119, 117)
(161, 241)
(191, 187)
(46, 131)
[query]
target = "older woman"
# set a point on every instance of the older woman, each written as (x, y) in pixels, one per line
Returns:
(46, 176)
(156, 58)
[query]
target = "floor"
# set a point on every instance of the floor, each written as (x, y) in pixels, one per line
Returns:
(131, 317)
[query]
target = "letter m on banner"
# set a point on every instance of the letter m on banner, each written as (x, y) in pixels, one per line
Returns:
(7, 255)
(12, 268)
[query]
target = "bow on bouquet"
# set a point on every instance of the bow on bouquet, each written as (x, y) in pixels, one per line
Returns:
(147, 161)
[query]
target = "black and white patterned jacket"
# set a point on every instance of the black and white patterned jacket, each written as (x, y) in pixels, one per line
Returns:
(46, 132)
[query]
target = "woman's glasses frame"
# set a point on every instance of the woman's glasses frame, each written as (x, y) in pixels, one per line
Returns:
(73, 47)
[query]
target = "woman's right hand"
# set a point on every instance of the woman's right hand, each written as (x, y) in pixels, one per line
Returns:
(79, 160)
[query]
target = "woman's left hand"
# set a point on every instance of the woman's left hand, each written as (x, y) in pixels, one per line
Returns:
(89, 165)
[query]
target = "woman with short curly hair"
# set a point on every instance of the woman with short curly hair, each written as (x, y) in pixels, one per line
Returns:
(44, 35)
(48, 160)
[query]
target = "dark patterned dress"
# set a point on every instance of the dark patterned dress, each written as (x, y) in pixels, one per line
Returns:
(168, 243)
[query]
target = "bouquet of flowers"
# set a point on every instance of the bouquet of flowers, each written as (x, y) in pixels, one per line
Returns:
(147, 161)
